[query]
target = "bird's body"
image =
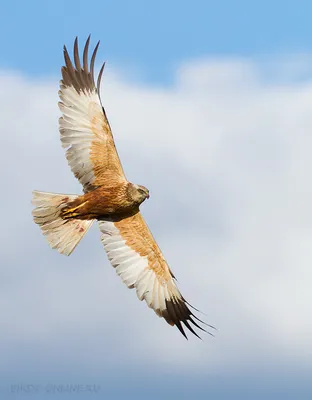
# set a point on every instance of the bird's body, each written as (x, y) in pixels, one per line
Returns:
(108, 198)
(115, 202)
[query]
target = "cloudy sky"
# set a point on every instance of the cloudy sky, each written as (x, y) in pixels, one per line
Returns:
(211, 108)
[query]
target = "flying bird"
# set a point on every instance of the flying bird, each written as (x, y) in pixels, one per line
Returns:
(108, 198)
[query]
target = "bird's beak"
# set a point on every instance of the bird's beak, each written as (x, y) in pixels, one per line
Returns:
(147, 196)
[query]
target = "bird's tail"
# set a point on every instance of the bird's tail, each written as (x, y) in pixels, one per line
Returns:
(62, 234)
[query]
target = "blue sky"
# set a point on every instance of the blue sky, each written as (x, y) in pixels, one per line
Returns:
(153, 37)
(193, 120)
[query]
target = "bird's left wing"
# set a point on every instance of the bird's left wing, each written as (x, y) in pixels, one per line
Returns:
(84, 127)
(135, 255)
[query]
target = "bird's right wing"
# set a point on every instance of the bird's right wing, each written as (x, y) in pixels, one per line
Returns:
(134, 253)
(84, 127)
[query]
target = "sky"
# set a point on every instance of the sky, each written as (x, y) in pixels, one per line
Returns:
(210, 106)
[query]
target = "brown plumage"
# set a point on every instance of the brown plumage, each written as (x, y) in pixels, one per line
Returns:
(113, 202)
(108, 197)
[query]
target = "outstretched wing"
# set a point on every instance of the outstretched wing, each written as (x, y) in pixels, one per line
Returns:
(84, 128)
(134, 253)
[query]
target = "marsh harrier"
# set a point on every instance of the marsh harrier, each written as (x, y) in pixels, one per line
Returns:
(108, 197)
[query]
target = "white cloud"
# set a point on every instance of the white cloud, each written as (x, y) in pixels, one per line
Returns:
(227, 157)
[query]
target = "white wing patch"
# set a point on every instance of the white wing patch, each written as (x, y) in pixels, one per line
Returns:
(132, 268)
(79, 110)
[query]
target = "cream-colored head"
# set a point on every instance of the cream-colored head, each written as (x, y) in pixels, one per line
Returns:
(138, 193)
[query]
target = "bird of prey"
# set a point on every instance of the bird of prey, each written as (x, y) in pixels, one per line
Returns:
(108, 198)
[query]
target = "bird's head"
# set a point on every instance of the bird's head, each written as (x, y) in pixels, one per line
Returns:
(139, 193)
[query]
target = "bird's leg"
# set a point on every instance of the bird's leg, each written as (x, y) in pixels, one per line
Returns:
(72, 212)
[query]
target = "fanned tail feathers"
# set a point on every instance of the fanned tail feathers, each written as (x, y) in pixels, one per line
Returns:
(63, 235)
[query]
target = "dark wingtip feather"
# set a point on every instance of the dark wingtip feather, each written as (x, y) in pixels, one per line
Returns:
(76, 55)
(178, 313)
(80, 76)
(100, 77)
(203, 322)
(180, 327)
(191, 329)
(85, 55)
(93, 60)
(70, 72)
(67, 58)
